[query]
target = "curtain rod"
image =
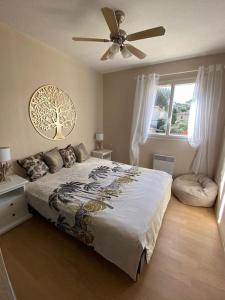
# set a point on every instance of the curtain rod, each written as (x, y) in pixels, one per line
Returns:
(177, 73)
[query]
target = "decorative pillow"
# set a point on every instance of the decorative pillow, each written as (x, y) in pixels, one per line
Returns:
(68, 156)
(34, 166)
(54, 160)
(81, 152)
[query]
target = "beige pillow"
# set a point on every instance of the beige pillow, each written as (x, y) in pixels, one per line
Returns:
(54, 160)
(81, 152)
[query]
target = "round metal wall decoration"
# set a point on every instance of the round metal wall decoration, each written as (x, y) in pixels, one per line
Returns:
(52, 112)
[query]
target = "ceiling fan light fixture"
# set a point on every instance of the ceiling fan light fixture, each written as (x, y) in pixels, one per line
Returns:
(114, 48)
(125, 52)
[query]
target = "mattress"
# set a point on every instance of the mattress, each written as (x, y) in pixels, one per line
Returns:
(115, 208)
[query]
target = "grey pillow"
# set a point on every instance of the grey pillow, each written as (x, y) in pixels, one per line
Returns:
(54, 160)
(81, 153)
(34, 166)
(68, 156)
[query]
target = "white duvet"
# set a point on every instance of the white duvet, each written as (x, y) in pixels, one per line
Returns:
(115, 208)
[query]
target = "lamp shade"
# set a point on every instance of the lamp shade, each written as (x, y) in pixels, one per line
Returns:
(5, 154)
(99, 136)
(114, 48)
(125, 52)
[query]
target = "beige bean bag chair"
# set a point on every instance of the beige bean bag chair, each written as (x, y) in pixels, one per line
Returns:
(195, 190)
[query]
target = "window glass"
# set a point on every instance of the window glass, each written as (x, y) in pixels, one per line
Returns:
(161, 108)
(182, 98)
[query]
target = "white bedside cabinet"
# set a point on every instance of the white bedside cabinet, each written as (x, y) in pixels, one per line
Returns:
(13, 205)
(104, 154)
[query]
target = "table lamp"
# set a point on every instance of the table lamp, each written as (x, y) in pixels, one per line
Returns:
(99, 140)
(5, 157)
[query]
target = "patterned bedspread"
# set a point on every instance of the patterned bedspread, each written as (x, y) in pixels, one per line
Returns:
(115, 208)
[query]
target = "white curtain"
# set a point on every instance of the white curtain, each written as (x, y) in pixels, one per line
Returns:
(145, 94)
(203, 119)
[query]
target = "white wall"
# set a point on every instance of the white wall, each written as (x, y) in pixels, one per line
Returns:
(118, 94)
(27, 64)
(220, 208)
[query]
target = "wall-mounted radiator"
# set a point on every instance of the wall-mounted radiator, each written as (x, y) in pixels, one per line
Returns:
(164, 163)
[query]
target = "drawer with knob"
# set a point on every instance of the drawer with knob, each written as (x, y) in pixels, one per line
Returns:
(13, 207)
(13, 204)
(11, 200)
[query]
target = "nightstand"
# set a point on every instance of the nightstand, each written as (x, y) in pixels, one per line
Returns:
(13, 205)
(104, 154)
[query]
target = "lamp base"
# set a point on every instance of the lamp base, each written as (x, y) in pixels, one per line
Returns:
(7, 180)
(4, 167)
(99, 145)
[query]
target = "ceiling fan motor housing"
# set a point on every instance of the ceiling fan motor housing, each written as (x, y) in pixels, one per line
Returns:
(120, 38)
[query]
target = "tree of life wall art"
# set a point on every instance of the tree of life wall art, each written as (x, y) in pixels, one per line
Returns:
(52, 112)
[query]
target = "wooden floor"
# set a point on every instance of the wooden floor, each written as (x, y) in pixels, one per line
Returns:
(188, 262)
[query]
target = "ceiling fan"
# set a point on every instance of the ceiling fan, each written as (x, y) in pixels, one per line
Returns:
(119, 37)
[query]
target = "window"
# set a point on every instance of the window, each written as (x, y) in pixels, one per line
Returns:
(171, 110)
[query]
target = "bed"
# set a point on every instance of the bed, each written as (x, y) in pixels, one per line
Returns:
(115, 208)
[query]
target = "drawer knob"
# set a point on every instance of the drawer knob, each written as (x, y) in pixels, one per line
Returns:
(11, 204)
(13, 215)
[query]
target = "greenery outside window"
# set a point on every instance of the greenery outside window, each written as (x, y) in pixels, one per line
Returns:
(171, 110)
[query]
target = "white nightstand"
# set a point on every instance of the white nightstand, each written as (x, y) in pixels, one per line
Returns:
(13, 205)
(104, 154)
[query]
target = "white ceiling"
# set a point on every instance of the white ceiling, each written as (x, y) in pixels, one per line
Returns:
(193, 27)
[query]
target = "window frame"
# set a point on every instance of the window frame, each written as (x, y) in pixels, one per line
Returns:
(172, 83)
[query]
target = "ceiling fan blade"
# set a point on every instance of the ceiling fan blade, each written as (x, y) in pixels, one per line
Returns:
(149, 33)
(111, 21)
(135, 51)
(105, 56)
(79, 39)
